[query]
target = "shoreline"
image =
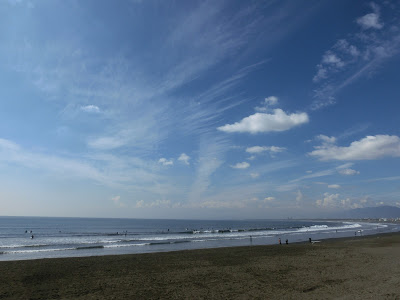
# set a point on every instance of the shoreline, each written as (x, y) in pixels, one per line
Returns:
(354, 267)
(301, 237)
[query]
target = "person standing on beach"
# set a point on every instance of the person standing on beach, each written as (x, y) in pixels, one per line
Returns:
(280, 243)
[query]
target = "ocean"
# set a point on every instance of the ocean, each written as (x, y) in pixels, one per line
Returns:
(24, 238)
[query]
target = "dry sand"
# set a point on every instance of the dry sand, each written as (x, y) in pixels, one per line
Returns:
(356, 268)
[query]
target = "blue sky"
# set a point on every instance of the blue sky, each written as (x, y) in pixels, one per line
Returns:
(198, 109)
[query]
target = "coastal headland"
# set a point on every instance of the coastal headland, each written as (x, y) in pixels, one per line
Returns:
(350, 268)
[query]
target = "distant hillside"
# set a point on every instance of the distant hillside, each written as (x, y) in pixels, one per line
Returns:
(375, 212)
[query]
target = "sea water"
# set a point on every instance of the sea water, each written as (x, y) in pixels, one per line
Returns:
(38, 237)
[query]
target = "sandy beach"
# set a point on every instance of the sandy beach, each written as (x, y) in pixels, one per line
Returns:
(352, 268)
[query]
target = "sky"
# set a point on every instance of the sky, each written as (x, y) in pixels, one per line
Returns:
(198, 109)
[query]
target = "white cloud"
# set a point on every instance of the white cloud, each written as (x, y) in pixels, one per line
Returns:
(322, 73)
(165, 162)
(359, 55)
(299, 196)
(220, 204)
(255, 175)
(122, 172)
(348, 172)
(392, 178)
(116, 83)
(117, 201)
(334, 186)
(269, 199)
(331, 58)
(326, 139)
(287, 187)
(265, 106)
(314, 175)
(260, 149)
(242, 165)
(256, 149)
(344, 166)
(157, 203)
(8, 145)
(329, 200)
(370, 21)
(60, 166)
(271, 100)
(347, 48)
(184, 158)
(276, 149)
(335, 201)
(368, 148)
(264, 122)
(90, 109)
(107, 143)
(116, 198)
(330, 63)
(210, 158)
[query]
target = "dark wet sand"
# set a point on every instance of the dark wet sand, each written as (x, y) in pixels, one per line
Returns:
(354, 268)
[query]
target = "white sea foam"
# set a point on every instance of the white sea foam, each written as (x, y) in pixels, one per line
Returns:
(37, 250)
(126, 245)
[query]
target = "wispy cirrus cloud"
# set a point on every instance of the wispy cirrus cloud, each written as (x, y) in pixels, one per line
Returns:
(14, 154)
(333, 186)
(343, 169)
(210, 158)
(260, 149)
(90, 108)
(348, 172)
(119, 84)
(254, 175)
(356, 56)
(371, 20)
(244, 197)
(123, 83)
(107, 143)
(106, 170)
(318, 174)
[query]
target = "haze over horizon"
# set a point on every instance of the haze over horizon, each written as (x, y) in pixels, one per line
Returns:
(198, 109)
